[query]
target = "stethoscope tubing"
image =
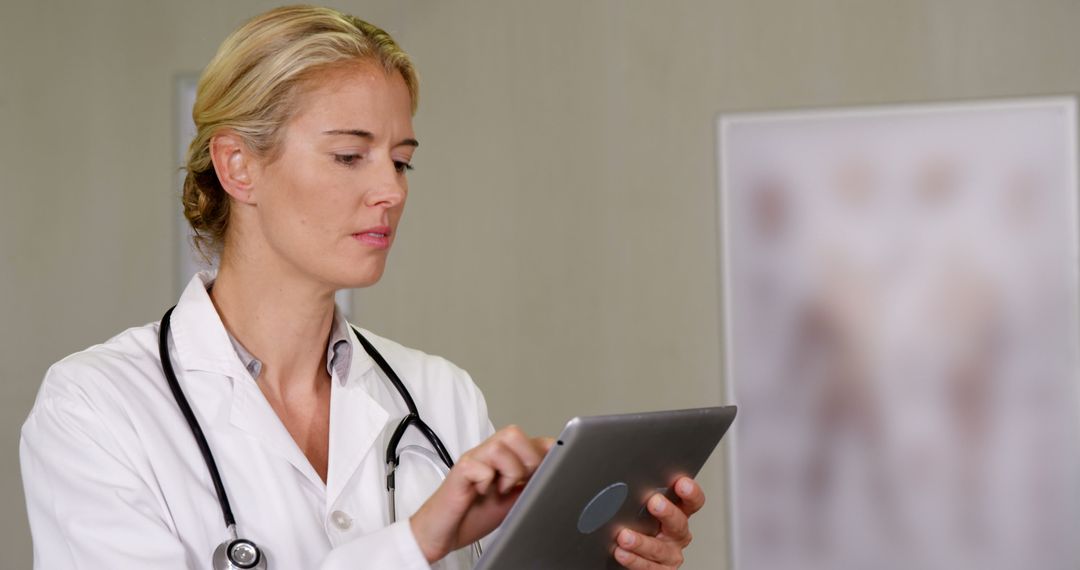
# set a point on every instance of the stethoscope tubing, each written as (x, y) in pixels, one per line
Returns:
(411, 419)
(193, 423)
(414, 414)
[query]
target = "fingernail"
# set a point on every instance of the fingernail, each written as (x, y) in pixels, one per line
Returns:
(686, 487)
(659, 504)
(628, 539)
(622, 555)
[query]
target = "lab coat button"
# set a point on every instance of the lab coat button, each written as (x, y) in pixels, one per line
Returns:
(341, 520)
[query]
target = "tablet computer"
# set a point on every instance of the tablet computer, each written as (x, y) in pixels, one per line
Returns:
(596, 480)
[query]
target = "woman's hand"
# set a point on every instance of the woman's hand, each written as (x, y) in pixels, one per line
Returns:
(478, 492)
(665, 550)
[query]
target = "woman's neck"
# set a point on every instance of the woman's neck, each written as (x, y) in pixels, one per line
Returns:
(282, 320)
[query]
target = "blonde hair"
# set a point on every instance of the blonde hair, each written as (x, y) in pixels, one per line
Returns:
(251, 88)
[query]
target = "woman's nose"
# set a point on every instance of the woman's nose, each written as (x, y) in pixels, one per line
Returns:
(388, 188)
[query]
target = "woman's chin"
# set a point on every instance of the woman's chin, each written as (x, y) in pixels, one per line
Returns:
(358, 279)
(340, 271)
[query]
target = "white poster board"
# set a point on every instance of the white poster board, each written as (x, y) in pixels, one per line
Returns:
(900, 324)
(188, 260)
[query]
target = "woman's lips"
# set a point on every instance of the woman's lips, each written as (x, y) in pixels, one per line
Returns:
(378, 238)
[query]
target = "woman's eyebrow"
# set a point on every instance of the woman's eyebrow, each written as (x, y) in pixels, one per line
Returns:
(369, 136)
(354, 132)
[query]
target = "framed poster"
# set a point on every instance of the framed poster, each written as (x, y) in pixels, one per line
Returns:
(188, 259)
(901, 332)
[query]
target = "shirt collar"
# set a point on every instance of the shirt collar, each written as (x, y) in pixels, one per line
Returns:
(338, 350)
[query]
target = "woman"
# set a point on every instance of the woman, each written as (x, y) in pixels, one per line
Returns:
(296, 182)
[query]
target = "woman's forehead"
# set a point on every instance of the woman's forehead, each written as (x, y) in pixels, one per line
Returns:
(343, 97)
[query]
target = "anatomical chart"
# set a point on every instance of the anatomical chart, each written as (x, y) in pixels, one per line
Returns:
(900, 323)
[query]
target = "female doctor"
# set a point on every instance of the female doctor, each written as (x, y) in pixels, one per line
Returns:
(296, 182)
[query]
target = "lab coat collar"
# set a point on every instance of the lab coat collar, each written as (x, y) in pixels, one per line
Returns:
(357, 420)
(199, 336)
(203, 343)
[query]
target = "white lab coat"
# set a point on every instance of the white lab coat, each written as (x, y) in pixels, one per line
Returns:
(114, 479)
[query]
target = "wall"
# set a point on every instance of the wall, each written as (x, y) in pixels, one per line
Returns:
(561, 238)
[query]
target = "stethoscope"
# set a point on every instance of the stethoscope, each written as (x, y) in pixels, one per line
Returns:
(242, 554)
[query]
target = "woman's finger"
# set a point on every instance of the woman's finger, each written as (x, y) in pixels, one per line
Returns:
(690, 494)
(477, 472)
(674, 524)
(529, 451)
(508, 466)
(633, 561)
(651, 548)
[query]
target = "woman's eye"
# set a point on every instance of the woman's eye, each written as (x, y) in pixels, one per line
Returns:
(347, 159)
(402, 166)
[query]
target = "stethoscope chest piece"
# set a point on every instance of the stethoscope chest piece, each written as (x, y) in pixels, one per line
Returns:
(238, 554)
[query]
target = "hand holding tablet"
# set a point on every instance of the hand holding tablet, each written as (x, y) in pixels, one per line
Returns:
(611, 491)
(635, 550)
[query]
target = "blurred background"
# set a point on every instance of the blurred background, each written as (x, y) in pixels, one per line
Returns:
(901, 322)
(562, 237)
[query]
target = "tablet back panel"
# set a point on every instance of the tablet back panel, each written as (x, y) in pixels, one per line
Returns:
(596, 481)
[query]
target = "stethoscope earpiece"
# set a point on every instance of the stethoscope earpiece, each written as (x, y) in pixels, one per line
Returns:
(238, 554)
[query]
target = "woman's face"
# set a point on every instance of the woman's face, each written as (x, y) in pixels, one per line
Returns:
(329, 203)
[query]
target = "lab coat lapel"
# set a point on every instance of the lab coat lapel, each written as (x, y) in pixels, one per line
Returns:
(202, 344)
(357, 420)
(252, 414)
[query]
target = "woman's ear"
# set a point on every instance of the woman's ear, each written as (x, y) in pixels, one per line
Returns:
(234, 163)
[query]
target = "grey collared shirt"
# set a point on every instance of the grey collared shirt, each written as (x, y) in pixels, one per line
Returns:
(338, 351)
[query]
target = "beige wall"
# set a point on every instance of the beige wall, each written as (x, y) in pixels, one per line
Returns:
(560, 241)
